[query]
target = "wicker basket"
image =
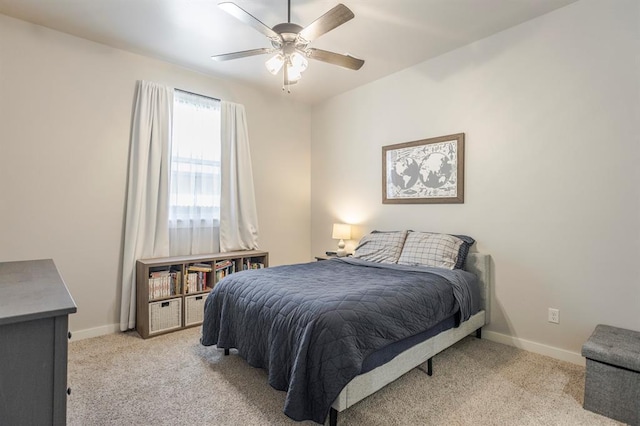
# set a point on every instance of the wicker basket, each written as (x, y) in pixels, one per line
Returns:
(194, 309)
(165, 315)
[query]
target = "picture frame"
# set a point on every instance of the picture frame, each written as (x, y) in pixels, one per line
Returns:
(427, 171)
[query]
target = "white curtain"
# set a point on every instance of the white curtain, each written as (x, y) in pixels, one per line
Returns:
(238, 216)
(147, 211)
(194, 216)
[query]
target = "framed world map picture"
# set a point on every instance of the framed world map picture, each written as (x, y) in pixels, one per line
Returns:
(424, 171)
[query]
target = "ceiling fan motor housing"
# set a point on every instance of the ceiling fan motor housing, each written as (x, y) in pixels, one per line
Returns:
(287, 28)
(288, 32)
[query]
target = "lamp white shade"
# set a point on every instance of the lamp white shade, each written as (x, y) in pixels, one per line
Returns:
(341, 231)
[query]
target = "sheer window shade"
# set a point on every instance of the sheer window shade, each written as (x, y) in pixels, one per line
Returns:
(194, 200)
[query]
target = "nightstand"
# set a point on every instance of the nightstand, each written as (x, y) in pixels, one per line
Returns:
(331, 256)
(324, 257)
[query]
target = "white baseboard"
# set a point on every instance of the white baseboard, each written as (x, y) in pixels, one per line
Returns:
(94, 332)
(538, 348)
(527, 345)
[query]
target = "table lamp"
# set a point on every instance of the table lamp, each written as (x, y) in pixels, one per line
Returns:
(341, 232)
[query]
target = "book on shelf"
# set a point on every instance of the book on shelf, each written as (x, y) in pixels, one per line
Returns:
(220, 274)
(224, 264)
(200, 267)
(196, 281)
(197, 276)
(252, 264)
(224, 268)
(164, 283)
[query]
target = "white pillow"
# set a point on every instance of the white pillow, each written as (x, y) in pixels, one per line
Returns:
(430, 249)
(381, 247)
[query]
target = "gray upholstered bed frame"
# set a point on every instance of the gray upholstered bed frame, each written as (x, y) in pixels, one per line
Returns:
(366, 384)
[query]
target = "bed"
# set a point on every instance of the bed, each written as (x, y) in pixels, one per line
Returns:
(331, 333)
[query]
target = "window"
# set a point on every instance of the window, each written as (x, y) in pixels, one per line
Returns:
(194, 184)
(195, 162)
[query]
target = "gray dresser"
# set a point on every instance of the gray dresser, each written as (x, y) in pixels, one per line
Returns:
(34, 309)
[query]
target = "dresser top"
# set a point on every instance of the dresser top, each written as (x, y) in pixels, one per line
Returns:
(32, 289)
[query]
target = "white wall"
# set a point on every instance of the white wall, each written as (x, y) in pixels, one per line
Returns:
(65, 116)
(551, 113)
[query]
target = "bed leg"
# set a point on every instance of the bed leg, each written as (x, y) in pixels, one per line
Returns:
(429, 367)
(333, 417)
(226, 351)
(479, 333)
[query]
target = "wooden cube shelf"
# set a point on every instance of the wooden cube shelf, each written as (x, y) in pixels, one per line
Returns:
(170, 291)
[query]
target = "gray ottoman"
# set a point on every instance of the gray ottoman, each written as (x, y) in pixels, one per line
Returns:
(612, 384)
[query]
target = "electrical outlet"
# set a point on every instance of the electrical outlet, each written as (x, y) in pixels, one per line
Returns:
(554, 315)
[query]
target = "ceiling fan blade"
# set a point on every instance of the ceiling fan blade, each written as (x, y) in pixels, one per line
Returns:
(333, 18)
(345, 61)
(242, 54)
(245, 17)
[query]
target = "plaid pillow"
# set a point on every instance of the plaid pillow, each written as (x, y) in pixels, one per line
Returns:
(467, 242)
(435, 250)
(381, 247)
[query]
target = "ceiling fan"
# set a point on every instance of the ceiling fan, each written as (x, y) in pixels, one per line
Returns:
(290, 42)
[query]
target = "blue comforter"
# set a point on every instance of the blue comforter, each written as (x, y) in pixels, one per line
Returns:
(311, 325)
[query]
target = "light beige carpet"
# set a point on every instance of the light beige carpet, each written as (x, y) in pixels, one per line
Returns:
(122, 379)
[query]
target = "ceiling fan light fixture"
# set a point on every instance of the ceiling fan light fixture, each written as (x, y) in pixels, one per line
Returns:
(299, 62)
(293, 72)
(275, 64)
(290, 42)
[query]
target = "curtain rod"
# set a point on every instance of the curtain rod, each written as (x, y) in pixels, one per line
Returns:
(197, 94)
